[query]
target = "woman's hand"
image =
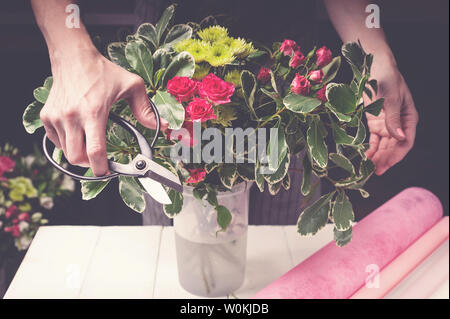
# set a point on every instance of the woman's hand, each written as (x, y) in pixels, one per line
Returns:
(85, 85)
(392, 133)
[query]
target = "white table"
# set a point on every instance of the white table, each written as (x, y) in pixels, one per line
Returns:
(140, 261)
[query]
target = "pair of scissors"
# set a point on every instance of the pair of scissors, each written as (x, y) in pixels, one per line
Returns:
(150, 174)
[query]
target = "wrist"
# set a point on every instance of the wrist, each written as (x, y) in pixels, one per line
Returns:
(72, 55)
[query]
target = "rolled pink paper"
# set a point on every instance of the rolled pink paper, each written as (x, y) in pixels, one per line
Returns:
(338, 272)
(406, 262)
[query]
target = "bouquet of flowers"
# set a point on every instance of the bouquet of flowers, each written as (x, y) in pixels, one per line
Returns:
(274, 101)
(27, 188)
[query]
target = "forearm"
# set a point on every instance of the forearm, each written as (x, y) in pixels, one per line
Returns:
(62, 42)
(349, 20)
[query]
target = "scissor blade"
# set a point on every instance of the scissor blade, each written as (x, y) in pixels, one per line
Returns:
(155, 190)
(164, 176)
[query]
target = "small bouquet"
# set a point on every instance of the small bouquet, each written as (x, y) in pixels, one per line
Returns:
(256, 105)
(27, 189)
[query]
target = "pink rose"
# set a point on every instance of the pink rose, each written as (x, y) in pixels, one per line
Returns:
(11, 211)
(321, 94)
(185, 134)
(297, 60)
(215, 90)
(197, 175)
(323, 56)
(6, 165)
(316, 76)
(263, 75)
(288, 47)
(300, 85)
(182, 87)
(24, 216)
(200, 109)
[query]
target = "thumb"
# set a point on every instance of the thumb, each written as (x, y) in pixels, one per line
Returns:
(393, 120)
(140, 106)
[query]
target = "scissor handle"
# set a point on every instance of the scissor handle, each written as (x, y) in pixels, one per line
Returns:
(116, 168)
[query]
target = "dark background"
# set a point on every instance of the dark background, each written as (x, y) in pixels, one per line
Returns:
(417, 32)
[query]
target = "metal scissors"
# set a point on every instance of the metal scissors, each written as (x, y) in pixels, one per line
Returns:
(150, 174)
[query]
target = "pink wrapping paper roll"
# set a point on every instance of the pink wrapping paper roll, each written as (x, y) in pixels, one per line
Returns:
(335, 272)
(401, 266)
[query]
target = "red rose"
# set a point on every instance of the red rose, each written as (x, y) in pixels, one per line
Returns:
(321, 94)
(316, 76)
(16, 231)
(300, 85)
(185, 134)
(197, 175)
(288, 47)
(200, 109)
(323, 56)
(182, 87)
(215, 90)
(263, 75)
(297, 60)
(11, 211)
(6, 164)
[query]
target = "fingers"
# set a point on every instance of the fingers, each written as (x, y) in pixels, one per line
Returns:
(51, 133)
(96, 146)
(75, 150)
(140, 106)
(393, 119)
(374, 140)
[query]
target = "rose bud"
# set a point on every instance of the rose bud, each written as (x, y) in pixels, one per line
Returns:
(288, 47)
(197, 175)
(263, 75)
(297, 60)
(323, 56)
(316, 76)
(321, 94)
(300, 85)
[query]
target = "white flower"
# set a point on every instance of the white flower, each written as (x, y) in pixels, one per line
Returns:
(68, 184)
(23, 225)
(46, 202)
(23, 242)
(36, 217)
(29, 160)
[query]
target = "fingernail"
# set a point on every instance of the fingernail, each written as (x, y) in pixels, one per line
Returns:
(400, 133)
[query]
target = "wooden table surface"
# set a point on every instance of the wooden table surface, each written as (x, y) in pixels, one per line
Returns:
(140, 262)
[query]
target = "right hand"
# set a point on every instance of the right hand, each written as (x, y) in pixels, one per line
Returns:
(85, 86)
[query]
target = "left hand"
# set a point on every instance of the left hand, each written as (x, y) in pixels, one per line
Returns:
(393, 131)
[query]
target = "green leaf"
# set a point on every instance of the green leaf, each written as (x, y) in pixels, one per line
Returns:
(280, 173)
(57, 155)
(148, 32)
(177, 203)
(286, 183)
(223, 217)
(177, 33)
(280, 152)
(248, 83)
(331, 69)
(169, 109)
(306, 176)
(132, 193)
(228, 174)
(341, 117)
(275, 188)
(259, 178)
(340, 135)
(360, 134)
(182, 65)
(209, 167)
(90, 190)
(211, 198)
(341, 97)
(354, 54)
(116, 52)
(164, 22)
(41, 94)
(48, 83)
(375, 107)
(200, 192)
(342, 238)
(140, 59)
(315, 217)
(342, 212)
(273, 95)
(300, 103)
(246, 171)
(161, 59)
(316, 143)
(31, 117)
(374, 85)
(343, 162)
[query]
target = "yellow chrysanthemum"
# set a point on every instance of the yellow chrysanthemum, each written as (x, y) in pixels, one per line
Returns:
(234, 77)
(247, 49)
(213, 33)
(219, 55)
(183, 45)
(201, 70)
(199, 50)
(225, 114)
